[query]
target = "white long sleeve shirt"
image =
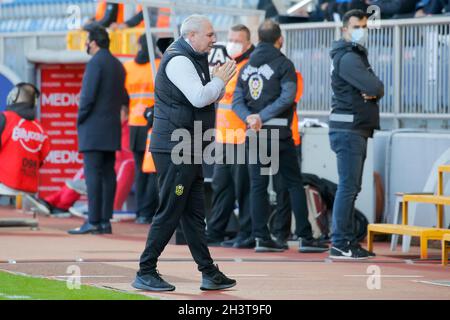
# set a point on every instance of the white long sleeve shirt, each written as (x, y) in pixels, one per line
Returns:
(182, 73)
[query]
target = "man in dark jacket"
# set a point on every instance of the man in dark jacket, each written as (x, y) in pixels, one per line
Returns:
(264, 97)
(354, 117)
(99, 128)
(185, 96)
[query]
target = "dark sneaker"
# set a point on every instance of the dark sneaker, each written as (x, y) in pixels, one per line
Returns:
(229, 243)
(216, 280)
(152, 281)
(105, 228)
(282, 243)
(348, 252)
(143, 220)
(267, 245)
(369, 253)
(248, 243)
(311, 246)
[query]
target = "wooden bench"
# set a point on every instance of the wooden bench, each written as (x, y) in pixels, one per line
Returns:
(424, 233)
(445, 249)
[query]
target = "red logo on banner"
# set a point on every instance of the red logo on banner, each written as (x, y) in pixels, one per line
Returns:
(60, 94)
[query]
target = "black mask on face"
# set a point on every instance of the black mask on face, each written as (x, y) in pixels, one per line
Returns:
(88, 47)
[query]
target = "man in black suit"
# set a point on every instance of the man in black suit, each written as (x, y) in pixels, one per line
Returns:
(99, 128)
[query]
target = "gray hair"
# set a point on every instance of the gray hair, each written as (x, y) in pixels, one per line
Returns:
(193, 23)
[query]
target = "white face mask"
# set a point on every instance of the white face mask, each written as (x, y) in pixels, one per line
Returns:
(234, 49)
(359, 36)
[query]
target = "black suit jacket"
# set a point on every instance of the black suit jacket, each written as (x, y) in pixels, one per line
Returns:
(102, 95)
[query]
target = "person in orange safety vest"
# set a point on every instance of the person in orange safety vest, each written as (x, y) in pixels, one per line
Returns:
(140, 88)
(231, 181)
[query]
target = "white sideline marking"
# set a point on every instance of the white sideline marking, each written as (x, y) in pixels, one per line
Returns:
(87, 276)
(14, 297)
(248, 275)
(381, 276)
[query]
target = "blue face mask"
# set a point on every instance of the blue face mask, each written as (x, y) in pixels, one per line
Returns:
(359, 36)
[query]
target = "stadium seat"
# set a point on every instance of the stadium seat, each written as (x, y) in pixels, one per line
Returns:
(425, 233)
(445, 249)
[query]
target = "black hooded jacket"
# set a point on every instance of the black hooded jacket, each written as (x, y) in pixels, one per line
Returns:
(351, 77)
(172, 109)
(267, 86)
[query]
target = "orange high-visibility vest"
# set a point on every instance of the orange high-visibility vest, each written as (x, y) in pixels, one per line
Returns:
(229, 127)
(140, 88)
(163, 18)
(101, 9)
(148, 165)
(294, 125)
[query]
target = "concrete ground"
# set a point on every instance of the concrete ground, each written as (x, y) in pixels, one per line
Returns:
(111, 261)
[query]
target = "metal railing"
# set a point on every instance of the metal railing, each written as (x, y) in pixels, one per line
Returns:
(411, 57)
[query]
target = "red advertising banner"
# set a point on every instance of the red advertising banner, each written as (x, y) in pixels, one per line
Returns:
(60, 86)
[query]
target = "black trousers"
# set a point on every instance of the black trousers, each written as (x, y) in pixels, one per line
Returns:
(181, 195)
(281, 223)
(290, 173)
(230, 182)
(146, 189)
(101, 184)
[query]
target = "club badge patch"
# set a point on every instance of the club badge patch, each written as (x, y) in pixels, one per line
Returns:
(256, 85)
(179, 189)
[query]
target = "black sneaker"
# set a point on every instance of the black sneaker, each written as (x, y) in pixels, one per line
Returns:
(105, 228)
(216, 280)
(311, 246)
(248, 243)
(282, 243)
(369, 253)
(152, 281)
(268, 245)
(349, 252)
(229, 243)
(143, 220)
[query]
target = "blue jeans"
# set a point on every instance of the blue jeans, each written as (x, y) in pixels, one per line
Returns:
(350, 149)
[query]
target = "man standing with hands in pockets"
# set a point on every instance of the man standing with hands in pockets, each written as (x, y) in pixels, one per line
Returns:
(184, 94)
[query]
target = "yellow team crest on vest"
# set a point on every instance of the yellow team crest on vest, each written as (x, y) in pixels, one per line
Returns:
(179, 189)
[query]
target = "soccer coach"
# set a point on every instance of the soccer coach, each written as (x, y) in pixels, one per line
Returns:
(184, 93)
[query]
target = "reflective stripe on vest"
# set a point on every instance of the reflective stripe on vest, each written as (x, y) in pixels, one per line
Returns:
(148, 165)
(101, 9)
(280, 122)
(229, 127)
(337, 117)
(140, 88)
